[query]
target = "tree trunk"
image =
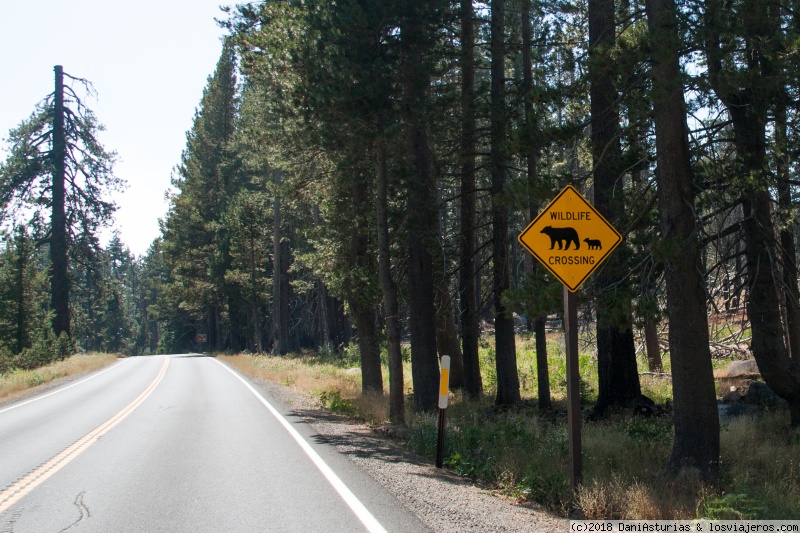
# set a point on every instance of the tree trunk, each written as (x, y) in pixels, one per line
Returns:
(21, 265)
(780, 372)
(342, 332)
(447, 341)
(323, 326)
(504, 335)
(696, 444)
(280, 312)
(212, 328)
(368, 348)
(531, 151)
(421, 218)
(59, 278)
(391, 307)
(652, 346)
(747, 102)
(542, 369)
(323, 323)
(470, 330)
(788, 250)
(357, 191)
(616, 353)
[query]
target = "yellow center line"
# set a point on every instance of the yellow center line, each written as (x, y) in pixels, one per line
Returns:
(25, 485)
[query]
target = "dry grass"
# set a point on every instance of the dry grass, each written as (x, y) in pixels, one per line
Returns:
(620, 499)
(760, 473)
(524, 454)
(761, 466)
(18, 381)
(333, 380)
(299, 374)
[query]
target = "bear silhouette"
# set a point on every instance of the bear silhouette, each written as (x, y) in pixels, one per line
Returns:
(594, 244)
(563, 236)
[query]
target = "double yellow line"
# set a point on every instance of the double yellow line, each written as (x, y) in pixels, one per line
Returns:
(25, 485)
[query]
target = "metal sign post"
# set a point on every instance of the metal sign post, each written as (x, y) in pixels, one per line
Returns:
(573, 389)
(444, 388)
(570, 238)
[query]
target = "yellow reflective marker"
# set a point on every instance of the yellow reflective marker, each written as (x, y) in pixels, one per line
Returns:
(444, 382)
(444, 387)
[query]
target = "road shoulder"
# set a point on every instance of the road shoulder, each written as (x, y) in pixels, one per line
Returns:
(441, 500)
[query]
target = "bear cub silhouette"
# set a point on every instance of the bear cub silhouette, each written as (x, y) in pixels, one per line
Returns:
(594, 244)
(563, 236)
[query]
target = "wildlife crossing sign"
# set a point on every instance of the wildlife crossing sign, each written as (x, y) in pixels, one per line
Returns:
(570, 238)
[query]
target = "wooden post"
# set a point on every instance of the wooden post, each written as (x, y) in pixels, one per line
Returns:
(440, 439)
(573, 389)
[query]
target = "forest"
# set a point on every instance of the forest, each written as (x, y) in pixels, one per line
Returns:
(358, 171)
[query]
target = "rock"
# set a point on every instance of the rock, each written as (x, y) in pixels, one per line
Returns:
(738, 369)
(760, 395)
(353, 371)
(732, 411)
(644, 406)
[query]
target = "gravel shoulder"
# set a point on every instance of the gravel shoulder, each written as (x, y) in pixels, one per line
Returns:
(443, 501)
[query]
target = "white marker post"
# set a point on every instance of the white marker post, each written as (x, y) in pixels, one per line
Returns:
(444, 388)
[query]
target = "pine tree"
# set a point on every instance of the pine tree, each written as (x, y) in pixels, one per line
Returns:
(195, 242)
(56, 162)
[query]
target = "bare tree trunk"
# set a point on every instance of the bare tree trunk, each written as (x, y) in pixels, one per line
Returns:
(447, 341)
(504, 335)
(59, 278)
(254, 314)
(214, 335)
(421, 217)
(616, 353)
(280, 307)
(780, 372)
(368, 348)
(791, 292)
(323, 329)
(391, 307)
(531, 151)
(542, 369)
(470, 330)
(21, 265)
(696, 444)
(652, 347)
(358, 193)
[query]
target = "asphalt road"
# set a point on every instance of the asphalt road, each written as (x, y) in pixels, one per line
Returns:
(177, 443)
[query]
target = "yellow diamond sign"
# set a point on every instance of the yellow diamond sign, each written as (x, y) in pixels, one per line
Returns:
(570, 238)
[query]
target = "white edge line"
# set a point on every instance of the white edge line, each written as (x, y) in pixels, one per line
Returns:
(35, 398)
(358, 508)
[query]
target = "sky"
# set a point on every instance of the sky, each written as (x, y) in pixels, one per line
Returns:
(148, 60)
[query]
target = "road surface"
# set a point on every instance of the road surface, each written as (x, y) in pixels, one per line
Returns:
(177, 443)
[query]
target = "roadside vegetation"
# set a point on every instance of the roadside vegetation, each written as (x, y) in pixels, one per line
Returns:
(17, 380)
(522, 452)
